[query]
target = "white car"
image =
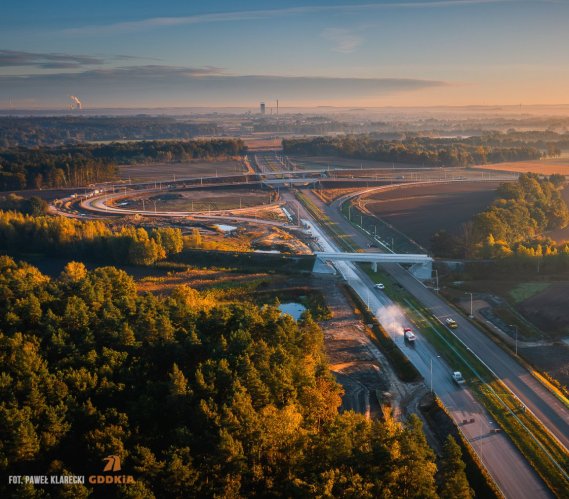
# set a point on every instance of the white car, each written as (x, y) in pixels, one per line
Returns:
(379, 285)
(451, 323)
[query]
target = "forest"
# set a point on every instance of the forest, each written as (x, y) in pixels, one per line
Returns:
(68, 166)
(457, 152)
(197, 398)
(55, 131)
(92, 239)
(30, 206)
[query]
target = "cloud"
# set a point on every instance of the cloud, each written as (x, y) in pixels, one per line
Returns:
(11, 58)
(343, 40)
(154, 71)
(249, 15)
(156, 85)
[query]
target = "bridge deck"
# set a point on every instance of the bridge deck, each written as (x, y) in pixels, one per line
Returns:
(375, 257)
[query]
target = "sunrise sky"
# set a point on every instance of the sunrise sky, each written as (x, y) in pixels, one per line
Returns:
(222, 53)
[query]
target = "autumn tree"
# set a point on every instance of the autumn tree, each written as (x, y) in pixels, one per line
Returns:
(454, 484)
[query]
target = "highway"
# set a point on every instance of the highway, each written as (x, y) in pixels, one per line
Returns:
(553, 414)
(270, 168)
(509, 469)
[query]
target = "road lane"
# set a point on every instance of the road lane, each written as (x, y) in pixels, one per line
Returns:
(516, 479)
(552, 413)
(546, 407)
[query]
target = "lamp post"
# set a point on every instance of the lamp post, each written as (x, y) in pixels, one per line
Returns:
(438, 357)
(471, 314)
(516, 340)
(437, 278)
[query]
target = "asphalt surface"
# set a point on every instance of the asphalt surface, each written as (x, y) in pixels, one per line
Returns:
(509, 469)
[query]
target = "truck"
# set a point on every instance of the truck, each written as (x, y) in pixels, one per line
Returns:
(409, 336)
(458, 378)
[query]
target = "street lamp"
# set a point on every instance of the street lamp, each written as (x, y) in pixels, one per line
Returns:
(437, 278)
(516, 329)
(468, 293)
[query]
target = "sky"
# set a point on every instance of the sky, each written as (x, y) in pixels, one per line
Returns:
(170, 53)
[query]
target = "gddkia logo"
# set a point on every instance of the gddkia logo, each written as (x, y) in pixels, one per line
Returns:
(113, 465)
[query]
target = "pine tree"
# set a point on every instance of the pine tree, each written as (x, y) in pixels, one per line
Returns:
(415, 467)
(178, 383)
(454, 484)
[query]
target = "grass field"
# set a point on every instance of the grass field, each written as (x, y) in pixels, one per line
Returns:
(262, 143)
(316, 162)
(526, 290)
(547, 309)
(202, 200)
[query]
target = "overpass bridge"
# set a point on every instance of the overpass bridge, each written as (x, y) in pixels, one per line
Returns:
(291, 181)
(421, 265)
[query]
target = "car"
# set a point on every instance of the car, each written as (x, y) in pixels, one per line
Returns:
(379, 285)
(409, 336)
(451, 323)
(458, 378)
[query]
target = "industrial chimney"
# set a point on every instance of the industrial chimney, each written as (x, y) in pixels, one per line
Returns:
(76, 103)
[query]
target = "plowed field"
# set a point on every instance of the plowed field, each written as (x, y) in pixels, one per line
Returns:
(419, 211)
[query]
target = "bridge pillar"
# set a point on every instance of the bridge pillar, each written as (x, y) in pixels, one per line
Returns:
(322, 267)
(422, 271)
(374, 266)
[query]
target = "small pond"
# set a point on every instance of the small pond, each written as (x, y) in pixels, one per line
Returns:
(225, 228)
(293, 309)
